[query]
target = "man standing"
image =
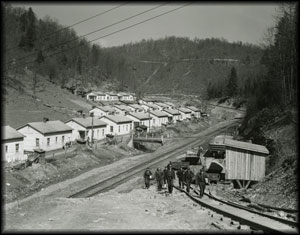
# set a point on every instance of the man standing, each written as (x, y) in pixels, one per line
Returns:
(169, 177)
(165, 176)
(147, 176)
(159, 178)
(179, 174)
(188, 179)
(200, 181)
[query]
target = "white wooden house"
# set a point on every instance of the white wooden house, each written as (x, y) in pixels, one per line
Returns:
(112, 96)
(170, 105)
(140, 118)
(136, 107)
(195, 111)
(118, 124)
(184, 113)
(100, 111)
(161, 106)
(149, 107)
(87, 128)
(12, 145)
(122, 109)
(47, 135)
(126, 96)
(97, 96)
(159, 118)
(173, 115)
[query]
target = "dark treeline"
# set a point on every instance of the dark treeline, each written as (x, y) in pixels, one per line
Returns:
(168, 65)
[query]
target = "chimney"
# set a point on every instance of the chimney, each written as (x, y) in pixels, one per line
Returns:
(45, 119)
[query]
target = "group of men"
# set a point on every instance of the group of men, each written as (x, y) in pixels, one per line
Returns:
(167, 177)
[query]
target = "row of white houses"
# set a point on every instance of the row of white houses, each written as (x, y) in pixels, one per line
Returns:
(110, 96)
(117, 120)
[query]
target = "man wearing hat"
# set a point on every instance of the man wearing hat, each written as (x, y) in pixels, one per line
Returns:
(159, 175)
(188, 178)
(200, 181)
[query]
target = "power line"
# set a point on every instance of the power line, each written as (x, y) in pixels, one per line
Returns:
(117, 31)
(67, 27)
(97, 30)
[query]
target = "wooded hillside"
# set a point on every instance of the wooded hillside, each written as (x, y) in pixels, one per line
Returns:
(168, 65)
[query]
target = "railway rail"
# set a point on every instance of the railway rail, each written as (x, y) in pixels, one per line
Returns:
(254, 219)
(114, 181)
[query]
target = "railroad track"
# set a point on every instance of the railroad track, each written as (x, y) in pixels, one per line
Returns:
(244, 215)
(112, 182)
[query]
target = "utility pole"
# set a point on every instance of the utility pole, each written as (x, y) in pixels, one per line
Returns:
(92, 115)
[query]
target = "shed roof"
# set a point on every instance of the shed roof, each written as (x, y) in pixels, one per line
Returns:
(158, 113)
(151, 106)
(172, 111)
(48, 127)
(117, 118)
(140, 116)
(246, 146)
(87, 122)
(10, 133)
(193, 108)
(184, 110)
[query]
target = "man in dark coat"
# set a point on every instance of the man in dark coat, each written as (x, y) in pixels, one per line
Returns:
(165, 172)
(188, 179)
(169, 177)
(200, 181)
(159, 176)
(147, 176)
(179, 174)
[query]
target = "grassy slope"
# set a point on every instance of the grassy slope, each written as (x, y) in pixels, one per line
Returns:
(21, 107)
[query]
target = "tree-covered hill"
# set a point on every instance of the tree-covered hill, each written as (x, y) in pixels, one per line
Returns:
(168, 65)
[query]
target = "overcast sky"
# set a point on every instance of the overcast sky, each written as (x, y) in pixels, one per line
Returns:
(234, 22)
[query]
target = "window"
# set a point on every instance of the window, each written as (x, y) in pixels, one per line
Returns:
(48, 141)
(63, 139)
(102, 132)
(17, 148)
(37, 142)
(98, 133)
(119, 129)
(111, 129)
(130, 126)
(6, 148)
(126, 127)
(56, 139)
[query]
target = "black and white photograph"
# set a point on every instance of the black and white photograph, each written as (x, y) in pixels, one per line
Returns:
(160, 117)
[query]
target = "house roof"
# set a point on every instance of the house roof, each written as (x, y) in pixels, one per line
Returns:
(172, 111)
(161, 104)
(99, 93)
(87, 122)
(117, 118)
(184, 110)
(48, 127)
(140, 116)
(123, 107)
(106, 108)
(193, 108)
(169, 104)
(246, 146)
(10, 133)
(151, 105)
(158, 113)
(135, 106)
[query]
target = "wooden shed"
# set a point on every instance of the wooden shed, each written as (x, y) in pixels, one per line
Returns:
(244, 162)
